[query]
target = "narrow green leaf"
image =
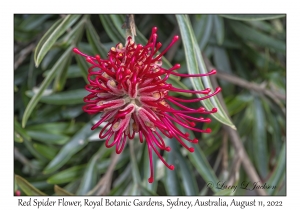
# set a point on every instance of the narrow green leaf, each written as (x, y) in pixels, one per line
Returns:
(48, 137)
(51, 36)
(196, 65)
(26, 187)
(263, 26)
(21, 131)
(201, 164)
(61, 76)
(46, 151)
(145, 191)
(74, 35)
(32, 22)
(34, 100)
(56, 127)
(277, 135)
(222, 63)
(94, 40)
(111, 30)
(89, 177)
(74, 71)
(260, 139)
(171, 177)
(248, 17)
(70, 97)
(219, 28)
(238, 103)
(221, 59)
(50, 58)
(250, 34)
(228, 192)
(72, 186)
(188, 180)
(67, 175)
(203, 29)
(60, 191)
(135, 170)
(279, 171)
(77, 142)
(83, 67)
(125, 176)
(33, 151)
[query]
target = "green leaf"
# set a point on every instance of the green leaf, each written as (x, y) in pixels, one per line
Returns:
(55, 128)
(225, 192)
(21, 131)
(83, 67)
(34, 100)
(125, 176)
(201, 164)
(33, 151)
(248, 17)
(171, 177)
(89, 177)
(61, 77)
(74, 71)
(221, 59)
(222, 63)
(61, 191)
(219, 28)
(134, 165)
(263, 40)
(33, 21)
(196, 65)
(77, 142)
(49, 138)
(70, 97)
(203, 29)
(145, 191)
(279, 171)
(111, 30)
(26, 187)
(260, 139)
(51, 36)
(238, 103)
(94, 40)
(74, 35)
(46, 151)
(67, 175)
(188, 180)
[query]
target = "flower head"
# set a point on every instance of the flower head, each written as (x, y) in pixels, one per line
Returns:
(130, 89)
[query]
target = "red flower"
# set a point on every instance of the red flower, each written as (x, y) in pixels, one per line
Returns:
(18, 193)
(130, 88)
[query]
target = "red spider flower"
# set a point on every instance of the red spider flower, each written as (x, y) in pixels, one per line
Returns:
(130, 89)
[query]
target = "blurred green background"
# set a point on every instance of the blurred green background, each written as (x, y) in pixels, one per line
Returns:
(56, 153)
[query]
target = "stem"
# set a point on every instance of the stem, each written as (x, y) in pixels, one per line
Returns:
(130, 27)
